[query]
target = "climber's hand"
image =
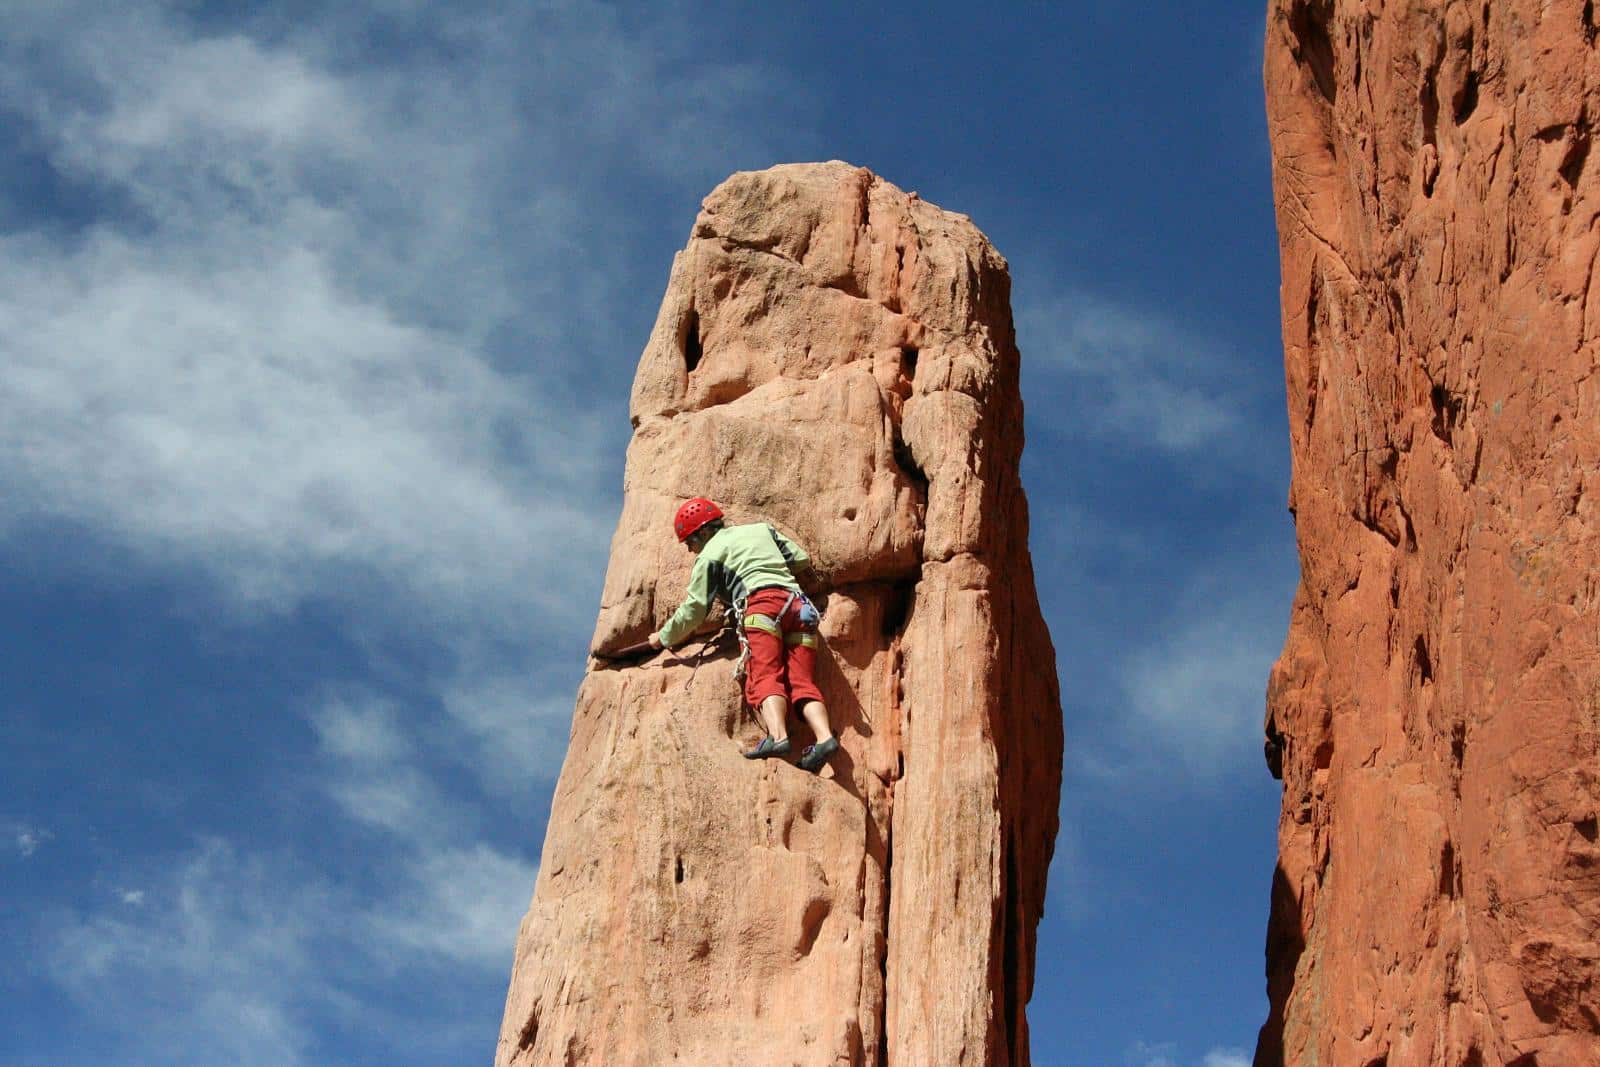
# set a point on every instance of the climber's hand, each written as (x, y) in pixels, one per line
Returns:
(631, 654)
(655, 642)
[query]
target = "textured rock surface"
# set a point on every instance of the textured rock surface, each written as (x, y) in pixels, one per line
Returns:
(1437, 703)
(836, 356)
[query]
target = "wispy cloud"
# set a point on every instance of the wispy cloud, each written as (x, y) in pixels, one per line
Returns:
(461, 904)
(1151, 1054)
(234, 371)
(1197, 690)
(28, 838)
(1138, 377)
(371, 771)
(1165, 1054)
(244, 957)
(208, 973)
(1226, 1057)
(303, 321)
(452, 895)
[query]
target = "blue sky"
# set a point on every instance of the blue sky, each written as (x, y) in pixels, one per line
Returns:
(318, 325)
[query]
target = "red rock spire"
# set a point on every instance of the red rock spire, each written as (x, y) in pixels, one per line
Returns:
(835, 356)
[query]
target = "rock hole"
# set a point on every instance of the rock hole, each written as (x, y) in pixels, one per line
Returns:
(1308, 21)
(1465, 101)
(1447, 871)
(1322, 758)
(909, 467)
(897, 607)
(1588, 829)
(811, 923)
(677, 874)
(849, 514)
(1458, 745)
(530, 1031)
(1420, 660)
(1446, 412)
(1577, 155)
(1588, 19)
(692, 351)
(908, 363)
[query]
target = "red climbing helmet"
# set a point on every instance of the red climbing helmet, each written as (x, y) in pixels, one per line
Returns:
(693, 515)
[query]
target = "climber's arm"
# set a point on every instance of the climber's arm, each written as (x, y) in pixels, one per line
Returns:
(692, 612)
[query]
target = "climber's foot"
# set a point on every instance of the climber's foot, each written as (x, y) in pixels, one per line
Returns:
(769, 748)
(816, 755)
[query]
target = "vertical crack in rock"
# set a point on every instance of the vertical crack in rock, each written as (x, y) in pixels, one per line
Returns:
(693, 351)
(837, 357)
(1435, 711)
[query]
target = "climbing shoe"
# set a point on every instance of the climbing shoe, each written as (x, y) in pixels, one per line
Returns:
(816, 755)
(768, 747)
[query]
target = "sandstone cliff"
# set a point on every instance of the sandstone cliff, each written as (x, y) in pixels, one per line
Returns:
(1436, 710)
(836, 356)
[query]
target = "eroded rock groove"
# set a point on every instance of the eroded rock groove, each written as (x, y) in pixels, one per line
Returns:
(1433, 711)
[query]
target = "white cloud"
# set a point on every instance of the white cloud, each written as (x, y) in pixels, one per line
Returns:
(279, 352)
(374, 774)
(208, 974)
(29, 838)
(515, 727)
(241, 958)
(460, 903)
(237, 374)
(1197, 691)
(1226, 1057)
(1151, 1054)
(310, 335)
(1165, 1054)
(450, 896)
(1136, 376)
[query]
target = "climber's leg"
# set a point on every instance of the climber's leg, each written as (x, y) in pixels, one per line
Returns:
(816, 716)
(800, 665)
(763, 690)
(775, 716)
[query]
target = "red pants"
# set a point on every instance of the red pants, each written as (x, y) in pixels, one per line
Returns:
(781, 664)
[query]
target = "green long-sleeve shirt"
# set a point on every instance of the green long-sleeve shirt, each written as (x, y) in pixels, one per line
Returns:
(735, 562)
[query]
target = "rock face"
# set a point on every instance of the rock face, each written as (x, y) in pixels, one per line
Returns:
(835, 356)
(1436, 710)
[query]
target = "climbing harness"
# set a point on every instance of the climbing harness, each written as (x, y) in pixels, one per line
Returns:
(810, 619)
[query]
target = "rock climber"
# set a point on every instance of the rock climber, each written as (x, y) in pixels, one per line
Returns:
(752, 567)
